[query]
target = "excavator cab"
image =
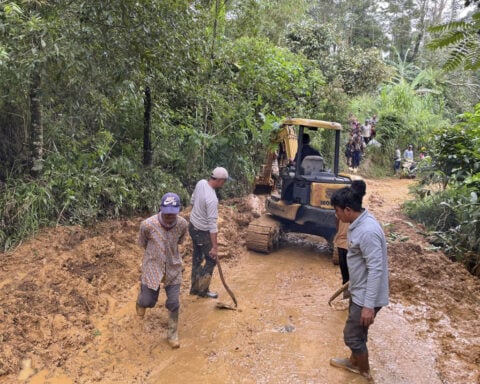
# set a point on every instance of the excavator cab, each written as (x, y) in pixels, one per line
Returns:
(303, 202)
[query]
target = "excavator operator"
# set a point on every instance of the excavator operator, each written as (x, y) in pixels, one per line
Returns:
(307, 149)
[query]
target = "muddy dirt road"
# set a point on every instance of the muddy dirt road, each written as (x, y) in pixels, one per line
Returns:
(67, 310)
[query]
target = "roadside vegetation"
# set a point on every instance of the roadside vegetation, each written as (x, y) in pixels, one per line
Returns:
(107, 105)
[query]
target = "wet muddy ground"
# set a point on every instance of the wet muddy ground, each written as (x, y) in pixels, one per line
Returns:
(67, 310)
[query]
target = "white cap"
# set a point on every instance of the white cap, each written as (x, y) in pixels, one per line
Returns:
(220, 173)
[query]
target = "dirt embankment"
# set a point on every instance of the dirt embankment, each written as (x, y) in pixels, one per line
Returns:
(59, 288)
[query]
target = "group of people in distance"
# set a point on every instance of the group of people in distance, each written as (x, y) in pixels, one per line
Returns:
(408, 158)
(360, 136)
(360, 236)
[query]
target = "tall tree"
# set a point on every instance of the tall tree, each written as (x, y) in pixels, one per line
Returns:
(29, 30)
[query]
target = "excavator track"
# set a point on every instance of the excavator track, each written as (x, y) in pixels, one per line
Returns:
(263, 234)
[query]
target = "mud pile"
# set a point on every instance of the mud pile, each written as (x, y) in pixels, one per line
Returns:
(55, 284)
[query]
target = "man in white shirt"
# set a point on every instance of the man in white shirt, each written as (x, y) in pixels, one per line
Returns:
(366, 131)
(408, 153)
(203, 231)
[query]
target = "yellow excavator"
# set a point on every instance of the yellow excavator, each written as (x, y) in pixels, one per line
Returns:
(302, 203)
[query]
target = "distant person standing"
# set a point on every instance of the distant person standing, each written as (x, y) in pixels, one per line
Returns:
(408, 153)
(368, 272)
(397, 161)
(160, 236)
(423, 153)
(349, 148)
(366, 131)
(358, 146)
(203, 231)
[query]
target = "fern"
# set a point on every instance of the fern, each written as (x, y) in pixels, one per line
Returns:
(464, 40)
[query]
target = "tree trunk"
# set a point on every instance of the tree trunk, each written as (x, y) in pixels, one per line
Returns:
(147, 117)
(36, 126)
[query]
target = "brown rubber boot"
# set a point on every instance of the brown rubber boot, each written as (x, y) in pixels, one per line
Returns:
(363, 365)
(172, 331)
(204, 285)
(344, 363)
(140, 310)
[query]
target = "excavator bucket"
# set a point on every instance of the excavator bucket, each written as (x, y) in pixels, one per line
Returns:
(264, 182)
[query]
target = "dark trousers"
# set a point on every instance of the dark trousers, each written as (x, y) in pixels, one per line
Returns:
(356, 158)
(355, 334)
(148, 297)
(342, 261)
(202, 264)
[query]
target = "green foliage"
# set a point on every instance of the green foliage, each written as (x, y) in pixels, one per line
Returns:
(453, 219)
(267, 73)
(435, 210)
(452, 211)
(25, 207)
(355, 70)
(407, 113)
(361, 70)
(462, 37)
(80, 186)
(314, 40)
(456, 150)
(267, 18)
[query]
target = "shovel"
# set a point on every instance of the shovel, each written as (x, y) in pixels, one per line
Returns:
(224, 305)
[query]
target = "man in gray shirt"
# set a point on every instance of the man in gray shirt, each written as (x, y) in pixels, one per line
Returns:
(368, 270)
(203, 231)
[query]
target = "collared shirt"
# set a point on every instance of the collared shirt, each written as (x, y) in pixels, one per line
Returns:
(162, 260)
(204, 213)
(367, 262)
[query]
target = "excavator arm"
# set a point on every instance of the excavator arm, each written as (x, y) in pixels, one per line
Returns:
(283, 150)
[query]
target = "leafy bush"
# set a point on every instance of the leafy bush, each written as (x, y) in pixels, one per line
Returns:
(25, 206)
(453, 211)
(81, 187)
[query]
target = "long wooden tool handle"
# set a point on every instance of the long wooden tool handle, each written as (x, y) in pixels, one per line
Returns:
(225, 284)
(338, 292)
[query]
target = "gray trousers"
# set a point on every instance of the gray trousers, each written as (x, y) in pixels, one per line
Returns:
(355, 334)
(148, 297)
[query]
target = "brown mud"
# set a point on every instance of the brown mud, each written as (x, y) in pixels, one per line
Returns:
(68, 296)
